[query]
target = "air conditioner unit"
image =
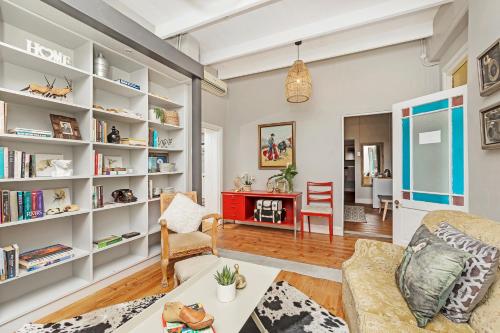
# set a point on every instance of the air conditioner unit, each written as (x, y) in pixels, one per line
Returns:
(214, 85)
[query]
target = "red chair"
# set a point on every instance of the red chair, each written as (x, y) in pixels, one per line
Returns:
(318, 192)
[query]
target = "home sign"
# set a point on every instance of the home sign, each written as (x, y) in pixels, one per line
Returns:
(47, 53)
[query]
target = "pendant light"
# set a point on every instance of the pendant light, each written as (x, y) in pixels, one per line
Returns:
(298, 85)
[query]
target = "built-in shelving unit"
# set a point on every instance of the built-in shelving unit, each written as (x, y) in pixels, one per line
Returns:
(32, 290)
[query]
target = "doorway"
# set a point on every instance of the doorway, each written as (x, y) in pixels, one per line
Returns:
(211, 167)
(368, 175)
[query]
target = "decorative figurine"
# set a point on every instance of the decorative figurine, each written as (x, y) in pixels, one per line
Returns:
(241, 281)
(62, 168)
(61, 92)
(124, 196)
(114, 136)
(34, 88)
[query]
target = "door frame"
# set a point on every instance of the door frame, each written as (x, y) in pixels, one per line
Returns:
(385, 111)
(458, 59)
(220, 145)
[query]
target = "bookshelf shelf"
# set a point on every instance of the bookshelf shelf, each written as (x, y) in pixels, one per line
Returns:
(165, 173)
(115, 87)
(39, 179)
(123, 118)
(34, 139)
(40, 297)
(124, 241)
(116, 146)
(22, 58)
(119, 264)
(162, 102)
(25, 98)
(120, 176)
(159, 125)
(23, 273)
(117, 205)
(45, 218)
(24, 295)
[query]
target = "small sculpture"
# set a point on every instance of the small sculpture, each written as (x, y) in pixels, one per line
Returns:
(238, 187)
(124, 196)
(241, 281)
(34, 88)
(63, 168)
(61, 92)
(114, 136)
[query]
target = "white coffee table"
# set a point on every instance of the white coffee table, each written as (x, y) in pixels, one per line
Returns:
(229, 317)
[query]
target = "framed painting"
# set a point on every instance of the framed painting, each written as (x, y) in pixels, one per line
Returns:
(490, 127)
(489, 69)
(276, 145)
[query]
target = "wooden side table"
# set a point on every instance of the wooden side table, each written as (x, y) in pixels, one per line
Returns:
(386, 202)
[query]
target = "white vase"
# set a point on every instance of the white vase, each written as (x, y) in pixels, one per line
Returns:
(226, 293)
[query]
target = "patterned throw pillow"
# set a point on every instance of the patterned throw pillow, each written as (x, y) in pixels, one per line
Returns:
(477, 276)
(183, 215)
(427, 273)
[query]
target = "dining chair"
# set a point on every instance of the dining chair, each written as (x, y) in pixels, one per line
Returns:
(319, 202)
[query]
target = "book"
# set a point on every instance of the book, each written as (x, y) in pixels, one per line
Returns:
(11, 163)
(10, 254)
(3, 265)
(129, 84)
(27, 205)
(38, 258)
(20, 205)
(3, 162)
(3, 117)
(5, 206)
(101, 243)
(13, 206)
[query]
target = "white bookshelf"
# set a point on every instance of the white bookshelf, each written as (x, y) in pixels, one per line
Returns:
(32, 290)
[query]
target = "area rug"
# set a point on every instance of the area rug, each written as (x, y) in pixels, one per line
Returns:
(354, 214)
(285, 309)
(104, 320)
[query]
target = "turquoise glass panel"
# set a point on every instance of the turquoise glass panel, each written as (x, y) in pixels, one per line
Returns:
(406, 153)
(429, 197)
(433, 106)
(457, 150)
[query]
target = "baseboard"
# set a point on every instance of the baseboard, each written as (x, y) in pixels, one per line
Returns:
(364, 201)
(76, 296)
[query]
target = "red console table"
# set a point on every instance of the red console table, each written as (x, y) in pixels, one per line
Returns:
(239, 206)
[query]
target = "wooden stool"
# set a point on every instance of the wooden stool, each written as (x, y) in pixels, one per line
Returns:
(386, 201)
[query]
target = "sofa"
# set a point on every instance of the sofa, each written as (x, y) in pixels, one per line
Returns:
(372, 301)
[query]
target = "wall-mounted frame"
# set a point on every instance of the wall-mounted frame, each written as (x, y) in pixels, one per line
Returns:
(376, 161)
(488, 69)
(276, 145)
(490, 126)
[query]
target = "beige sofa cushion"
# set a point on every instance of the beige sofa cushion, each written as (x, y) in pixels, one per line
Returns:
(185, 269)
(180, 243)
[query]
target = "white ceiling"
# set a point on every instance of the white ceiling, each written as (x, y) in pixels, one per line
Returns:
(240, 37)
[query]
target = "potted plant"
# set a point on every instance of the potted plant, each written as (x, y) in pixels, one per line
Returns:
(158, 114)
(226, 284)
(287, 174)
(247, 182)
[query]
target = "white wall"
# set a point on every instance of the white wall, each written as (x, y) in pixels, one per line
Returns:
(369, 129)
(484, 171)
(366, 82)
(213, 108)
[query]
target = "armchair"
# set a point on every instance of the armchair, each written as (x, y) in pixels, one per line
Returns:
(174, 245)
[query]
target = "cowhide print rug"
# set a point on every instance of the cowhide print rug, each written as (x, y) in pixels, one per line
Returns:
(103, 320)
(285, 309)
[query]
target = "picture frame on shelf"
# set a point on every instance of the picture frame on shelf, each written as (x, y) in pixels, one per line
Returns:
(113, 162)
(43, 164)
(490, 126)
(276, 145)
(56, 199)
(65, 127)
(489, 69)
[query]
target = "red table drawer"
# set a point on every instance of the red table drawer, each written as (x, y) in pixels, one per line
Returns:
(233, 207)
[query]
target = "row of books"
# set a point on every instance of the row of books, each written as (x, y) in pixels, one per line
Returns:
(97, 196)
(21, 205)
(99, 130)
(105, 166)
(9, 262)
(49, 255)
(153, 138)
(133, 142)
(30, 132)
(21, 164)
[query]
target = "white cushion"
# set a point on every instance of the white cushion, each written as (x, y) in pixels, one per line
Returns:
(317, 209)
(183, 215)
(185, 269)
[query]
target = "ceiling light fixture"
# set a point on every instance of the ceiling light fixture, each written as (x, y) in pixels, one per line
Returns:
(298, 84)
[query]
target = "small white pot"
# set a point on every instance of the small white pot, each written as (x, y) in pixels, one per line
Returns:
(226, 293)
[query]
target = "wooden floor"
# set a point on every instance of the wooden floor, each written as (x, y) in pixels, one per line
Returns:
(374, 224)
(313, 249)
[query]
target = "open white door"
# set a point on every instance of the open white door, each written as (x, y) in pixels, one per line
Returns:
(430, 158)
(212, 167)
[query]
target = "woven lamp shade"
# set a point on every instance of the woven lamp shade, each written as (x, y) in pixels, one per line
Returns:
(298, 85)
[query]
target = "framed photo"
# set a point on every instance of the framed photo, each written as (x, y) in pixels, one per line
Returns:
(489, 69)
(65, 127)
(111, 162)
(56, 199)
(490, 127)
(276, 145)
(43, 164)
